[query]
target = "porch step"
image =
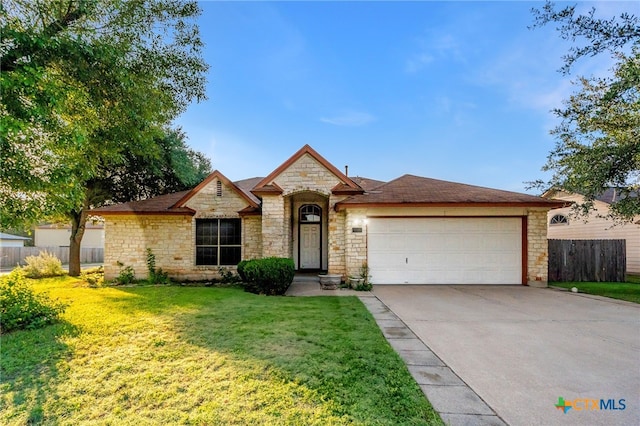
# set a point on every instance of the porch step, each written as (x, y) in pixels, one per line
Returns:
(306, 279)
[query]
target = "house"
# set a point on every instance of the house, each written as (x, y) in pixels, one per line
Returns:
(57, 235)
(9, 240)
(563, 225)
(411, 230)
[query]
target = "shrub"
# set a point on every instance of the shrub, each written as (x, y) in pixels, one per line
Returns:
(365, 285)
(43, 265)
(241, 266)
(126, 276)
(156, 275)
(94, 276)
(271, 276)
(21, 308)
(227, 276)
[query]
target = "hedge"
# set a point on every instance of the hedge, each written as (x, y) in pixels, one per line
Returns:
(271, 275)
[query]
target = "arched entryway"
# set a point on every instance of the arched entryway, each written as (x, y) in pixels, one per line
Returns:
(310, 237)
(309, 226)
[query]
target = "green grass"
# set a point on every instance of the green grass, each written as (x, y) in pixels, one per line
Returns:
(194, 355)
(629, 291)
(633, 279)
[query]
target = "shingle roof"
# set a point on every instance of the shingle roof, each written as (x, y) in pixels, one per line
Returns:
(410, 189)
(405, 190)
(161, 204)
(609, 196)
(612, 195)
(366, 183)
(246, 185)
(4, 236)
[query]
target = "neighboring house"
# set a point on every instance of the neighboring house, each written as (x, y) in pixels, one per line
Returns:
(565, 226)
(9, 240)
(57, 235)
(411, 230)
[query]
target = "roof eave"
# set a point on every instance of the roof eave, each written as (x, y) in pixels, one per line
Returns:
(550, 205)
(270, 189)
(250, 211)
(185, 211)
(346, 192)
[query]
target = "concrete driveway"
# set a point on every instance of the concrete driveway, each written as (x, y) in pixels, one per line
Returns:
(521, 348)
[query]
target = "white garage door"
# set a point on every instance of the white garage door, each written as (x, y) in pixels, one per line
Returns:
(445, 250)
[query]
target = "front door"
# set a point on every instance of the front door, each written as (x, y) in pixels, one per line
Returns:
(309, 246)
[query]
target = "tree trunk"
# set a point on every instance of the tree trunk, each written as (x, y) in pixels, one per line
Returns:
(78, 222)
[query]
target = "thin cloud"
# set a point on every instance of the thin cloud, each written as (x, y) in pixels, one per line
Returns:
(438, 47)
(418, 62)
(349, 119)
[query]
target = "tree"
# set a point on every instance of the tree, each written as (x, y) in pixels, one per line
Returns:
(598, 138)
(171, 167)
(88, 86)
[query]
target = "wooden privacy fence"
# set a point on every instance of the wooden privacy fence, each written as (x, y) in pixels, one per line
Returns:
(587, 260)
(12, 256)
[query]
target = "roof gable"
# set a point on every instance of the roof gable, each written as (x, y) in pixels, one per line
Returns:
(344, 183)
(420, 191)
(176, 203)
(609, 196)
(213, 176)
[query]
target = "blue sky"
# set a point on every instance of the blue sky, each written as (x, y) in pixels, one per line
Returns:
(459, 91)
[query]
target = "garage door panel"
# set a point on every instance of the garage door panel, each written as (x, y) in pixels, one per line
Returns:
(445, 250)
(387, 260)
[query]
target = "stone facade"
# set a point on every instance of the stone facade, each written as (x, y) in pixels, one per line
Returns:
(337, 241)
(251, 237)
(306, 174)
(273, 227)
(355, 240)
(129, 236)
(208, 204)
(537, 248)
(275, 230)
(172, 238)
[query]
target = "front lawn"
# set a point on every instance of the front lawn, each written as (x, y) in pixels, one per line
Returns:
(194, 355)
(629, 291)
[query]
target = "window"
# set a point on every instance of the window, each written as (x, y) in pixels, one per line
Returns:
(218, 189)
(218, 242)
(559, 219)
(310, 213)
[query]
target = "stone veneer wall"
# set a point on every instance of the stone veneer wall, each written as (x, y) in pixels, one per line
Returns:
(252, 237)
(337, 241)
(537, 249)
(207, 204)
(287, 233)
(127, 238)
(305, 174)
(273, 215)
(172, 238)
(355, 242)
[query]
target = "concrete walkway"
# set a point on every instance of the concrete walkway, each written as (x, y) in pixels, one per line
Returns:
(309, 285)
(457, 403)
